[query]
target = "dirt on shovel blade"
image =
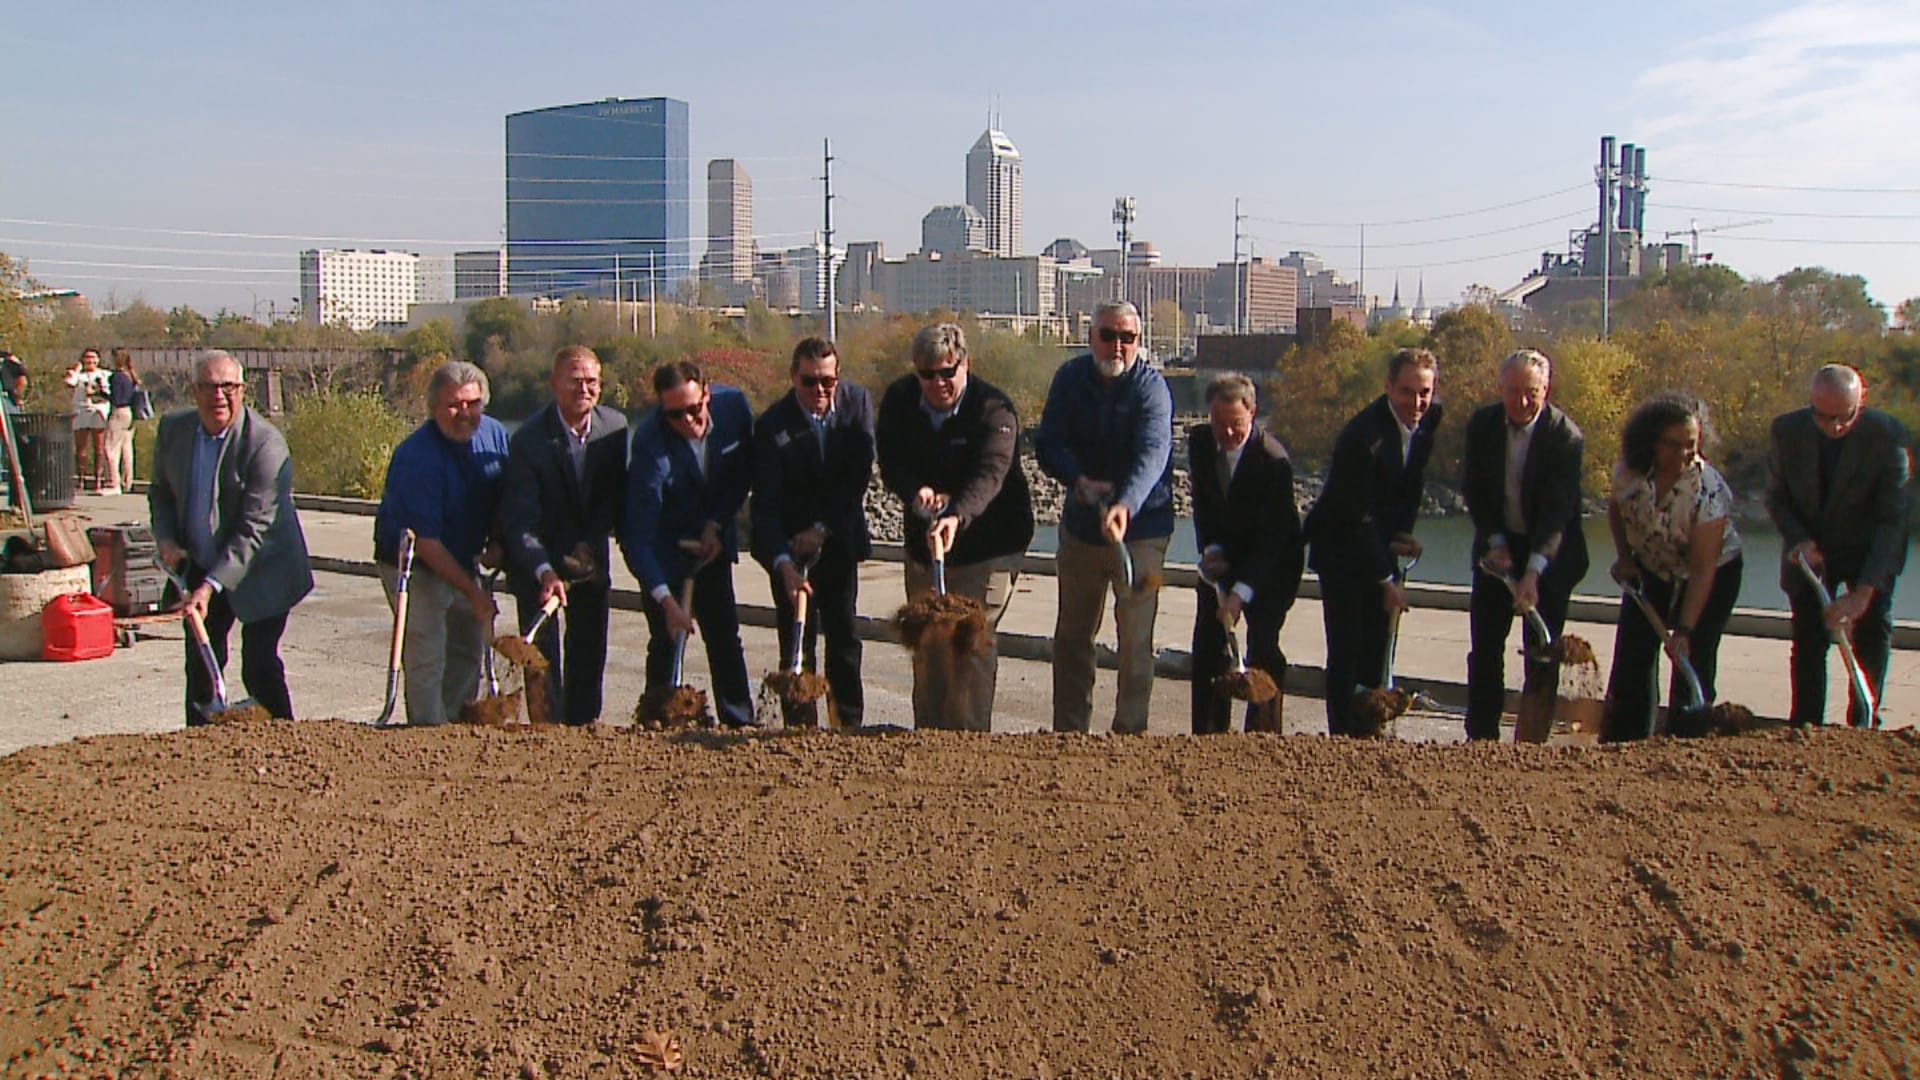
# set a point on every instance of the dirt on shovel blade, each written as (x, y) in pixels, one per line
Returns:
(1251, 685)
(1727, 718)
(517, 652)
(1373, 710)
(675, 709)
(797, 687)
(1574, 649)
(241, 714)
(957, 622)
(496, 711)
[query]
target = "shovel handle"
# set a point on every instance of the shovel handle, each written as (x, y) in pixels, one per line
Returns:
(203, 648)
(546, 612)
(1861, 688)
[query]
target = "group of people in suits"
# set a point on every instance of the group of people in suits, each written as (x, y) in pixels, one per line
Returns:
(575, 479)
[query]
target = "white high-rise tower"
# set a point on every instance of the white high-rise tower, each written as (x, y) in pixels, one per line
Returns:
(993, 189)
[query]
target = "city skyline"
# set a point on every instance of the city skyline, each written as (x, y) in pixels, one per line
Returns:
(1466, 146)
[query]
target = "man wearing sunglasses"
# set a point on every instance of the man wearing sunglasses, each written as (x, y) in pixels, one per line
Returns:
(221, 501)
(949, 449)
(1836, 488)
(812, 459)
(687, 478)
(1106, 433)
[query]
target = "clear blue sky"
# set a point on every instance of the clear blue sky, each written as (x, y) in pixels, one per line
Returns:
(355, 124)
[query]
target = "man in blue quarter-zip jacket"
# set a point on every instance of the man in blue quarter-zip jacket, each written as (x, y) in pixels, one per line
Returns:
(1106, 433)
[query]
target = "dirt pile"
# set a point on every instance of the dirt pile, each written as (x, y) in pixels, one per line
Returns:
(321, 899)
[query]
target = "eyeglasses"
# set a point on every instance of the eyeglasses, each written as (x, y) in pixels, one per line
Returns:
(819, 382)
(690, 412)
(948, 373)
(1125, 337)
(219, 387)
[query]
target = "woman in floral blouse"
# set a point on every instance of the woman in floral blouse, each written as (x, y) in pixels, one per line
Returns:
(1671, 520)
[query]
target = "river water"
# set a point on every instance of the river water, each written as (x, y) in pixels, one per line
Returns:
(1448, 540)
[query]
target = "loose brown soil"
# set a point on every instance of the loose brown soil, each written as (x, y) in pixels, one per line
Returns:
(796, 687)
(325, 899)
(1374, 711)
(496, 710)
(1251, 685)
(241, 714)
(943, 620)
(673, 709)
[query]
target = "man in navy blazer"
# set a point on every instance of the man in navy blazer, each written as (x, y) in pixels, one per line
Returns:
(1837, 488)
(1363, 522)
(1522, 486)
(221, 501)
(1248, 530)
(687, 478)
(566, 480)
(812, 459)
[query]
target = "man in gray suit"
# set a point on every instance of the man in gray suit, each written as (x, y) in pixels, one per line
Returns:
(1836, 488)
(566, 479)
(221, 499)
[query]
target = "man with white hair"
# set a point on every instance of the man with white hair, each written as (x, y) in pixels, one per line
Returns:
(221, 501)
(445, 483)
(1106, 434)
(1836, 488)
(1522, 487)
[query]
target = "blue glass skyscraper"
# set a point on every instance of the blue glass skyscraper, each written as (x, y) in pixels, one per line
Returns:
(598, 193)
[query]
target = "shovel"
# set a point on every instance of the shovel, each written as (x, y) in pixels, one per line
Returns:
(219, 709)
(1543, 650)
(1683, 666)
(1416, 699)
(405, 566)
(1240, 682)
(1861, 688)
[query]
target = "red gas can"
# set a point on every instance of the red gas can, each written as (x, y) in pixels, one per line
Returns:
(76, 626)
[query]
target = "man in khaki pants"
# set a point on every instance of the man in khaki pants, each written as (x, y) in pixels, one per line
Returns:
(948, 447)
(1106, 433)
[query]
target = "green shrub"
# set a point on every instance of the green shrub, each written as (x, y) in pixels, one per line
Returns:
(341, 443)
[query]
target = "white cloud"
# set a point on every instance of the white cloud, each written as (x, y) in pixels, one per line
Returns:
(1819, 95)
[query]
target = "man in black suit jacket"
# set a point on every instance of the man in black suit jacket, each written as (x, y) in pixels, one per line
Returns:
(813, 457)
(1363, 524)
(1836, 487)
(1248, 532)
(566, 477)
(1522, 486)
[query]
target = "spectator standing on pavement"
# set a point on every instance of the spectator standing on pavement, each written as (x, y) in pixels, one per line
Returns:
(92, 390)
(123, 385)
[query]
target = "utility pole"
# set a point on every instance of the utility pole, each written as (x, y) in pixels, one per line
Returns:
(1606, 176)
(826, 232)
(1368, 311)
(1124, 211)
(1238, 217)
(653, 327)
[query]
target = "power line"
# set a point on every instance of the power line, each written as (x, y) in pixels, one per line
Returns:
(1420, 220)
(1787, 187)
(1792, 213)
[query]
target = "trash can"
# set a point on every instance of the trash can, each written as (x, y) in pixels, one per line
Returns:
(46, 457)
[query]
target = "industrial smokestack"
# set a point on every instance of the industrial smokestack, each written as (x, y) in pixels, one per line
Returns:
(1606, 162)
(1625, 219)
(1640, 190)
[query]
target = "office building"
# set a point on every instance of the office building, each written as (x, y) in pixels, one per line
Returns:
(357, 289)
(598, 198)
(729, 256)
(993, 189)
(953, 229)
(479, 274)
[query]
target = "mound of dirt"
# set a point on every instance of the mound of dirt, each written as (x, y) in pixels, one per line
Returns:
(324, 899)
(943, 620)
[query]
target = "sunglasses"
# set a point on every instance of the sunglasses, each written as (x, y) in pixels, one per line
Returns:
(219, 387)
(689, 412)
(819, 382)
(1125, 337)
(948, 373)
